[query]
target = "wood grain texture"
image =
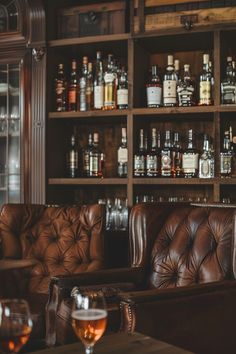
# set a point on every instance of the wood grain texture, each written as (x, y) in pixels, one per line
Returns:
(150, 3)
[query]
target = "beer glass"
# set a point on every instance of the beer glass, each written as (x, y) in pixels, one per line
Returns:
(15, 325)
(89, 318)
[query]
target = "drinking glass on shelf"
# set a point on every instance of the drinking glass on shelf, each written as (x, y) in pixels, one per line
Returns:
(89, 318)
(15, 325)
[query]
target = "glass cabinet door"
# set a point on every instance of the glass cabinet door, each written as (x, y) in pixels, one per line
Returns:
(10, 137)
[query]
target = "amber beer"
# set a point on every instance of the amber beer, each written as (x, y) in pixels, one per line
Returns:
(89, 325)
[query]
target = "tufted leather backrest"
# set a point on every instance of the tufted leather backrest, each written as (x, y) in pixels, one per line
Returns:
(182, 245)
(63, 240)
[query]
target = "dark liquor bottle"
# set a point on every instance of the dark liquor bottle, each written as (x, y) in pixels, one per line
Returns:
(82, 85)
(89, 87)
(96, 161)
(226, 157)
(86, 156)
(98, 83)
(60, 89)
(190, 158)
(152, 156)
(206, 160)
(140, 156)
(166, 155)
(122, 90)
(72, 159)
(186, 89)
(154, 89)
(110, 82)
(169, 84)
(205, 84)
(73, 88)
(176, 159)
(228, 85)
(122, 155)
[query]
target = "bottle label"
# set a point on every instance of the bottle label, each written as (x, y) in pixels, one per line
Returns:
(165, 165)
(122, 155)
(169, 92)
(72, 96)
(109, 95)
(228, 94)
(225, 164)
(109, 77)
(122, 97)
(98, 97)
(83, 94)
(139, 165)
(205, 168)
(185, 95)
(151, 164)
(190, 163)
(205, 92)
(154, 95)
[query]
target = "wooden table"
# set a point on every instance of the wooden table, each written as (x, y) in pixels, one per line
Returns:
(13, 264)
(119, 343)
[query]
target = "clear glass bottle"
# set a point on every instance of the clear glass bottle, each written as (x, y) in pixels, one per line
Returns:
(228, 85)
(186, 89)
(176, 159)
(95, 167)
(61, 89)
(98, 83)
(82, 83)
(152, 156)
(206, 160)
(122, 155)
(166, 154)
(86, 156)
(122, 90)
(154, 89)
(190, 158)
(89, 88)
(73, 88)
(72, 159)
(140, 156)
(205, 84)
(110, 82)
(169, 84)
(226, 157)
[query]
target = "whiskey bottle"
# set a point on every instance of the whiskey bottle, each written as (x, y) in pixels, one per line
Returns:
(72, 159)
(166, 154)
(177, 71)
(98, 83)
(206, 160)
(169, 84)
(122, 90)
(186, 89)
(86, 156)
(176, 158)
(190, 158)
(110, 82)
(73, 88)
(228, 85)
(154, 89)
(82, 84)
(140, 156)
(97, 158)
(89, 88)
(60, 89)
(205, 84)
(122, 155)
(226, 157)
(152, 156)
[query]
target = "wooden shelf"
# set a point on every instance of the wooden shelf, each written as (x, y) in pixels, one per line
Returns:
(175, 181)
(88, 181)
(98, 113)
(175, 110)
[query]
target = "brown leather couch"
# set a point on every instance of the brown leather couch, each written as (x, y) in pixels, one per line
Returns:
(60, 240)
(182, 271)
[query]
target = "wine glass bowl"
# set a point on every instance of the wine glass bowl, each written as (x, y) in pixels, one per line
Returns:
(15, 325)
(89, 318)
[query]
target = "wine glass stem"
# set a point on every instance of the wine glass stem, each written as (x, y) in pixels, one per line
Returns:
(89, 350)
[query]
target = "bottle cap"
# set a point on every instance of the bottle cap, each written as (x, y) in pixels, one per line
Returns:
(170, 59)
(206, 58)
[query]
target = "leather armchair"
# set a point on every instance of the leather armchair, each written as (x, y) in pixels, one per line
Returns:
(175, 250)
(61, 240)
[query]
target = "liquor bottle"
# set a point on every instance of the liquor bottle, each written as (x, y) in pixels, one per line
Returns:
(177, 71)
(122, 155)
(72, 159)
(205, 84)
(152, 156)
(98, 83)
(82, 84)
(186, 89)
(166, 154)
(97, 158)
(110, 82)
(122, 90)
(176, 158)
(89, 88)
(140, 156)
(60, 89)
(154, 89)
(190, 158)
(206, 160)
(73, 88)
(169, 84)
(86, 156)
(226, 157)
(228, 85)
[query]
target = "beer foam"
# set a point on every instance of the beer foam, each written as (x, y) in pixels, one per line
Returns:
(88, 315)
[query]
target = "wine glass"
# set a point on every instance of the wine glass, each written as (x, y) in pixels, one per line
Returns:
(89, 318)
(15, 325)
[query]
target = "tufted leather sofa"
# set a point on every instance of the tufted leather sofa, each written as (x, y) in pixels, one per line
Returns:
(62, 240)
(182, 270)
